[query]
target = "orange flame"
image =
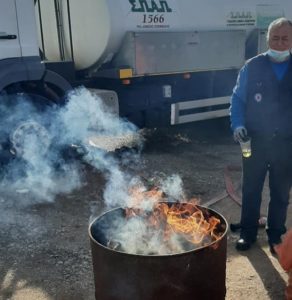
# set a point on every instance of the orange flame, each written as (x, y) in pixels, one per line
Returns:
(185, 219)
(139, 194)
(189, 220)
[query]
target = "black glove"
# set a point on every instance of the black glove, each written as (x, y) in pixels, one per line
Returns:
(240, 134)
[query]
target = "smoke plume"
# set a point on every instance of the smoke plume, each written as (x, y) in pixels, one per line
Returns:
(38, 137)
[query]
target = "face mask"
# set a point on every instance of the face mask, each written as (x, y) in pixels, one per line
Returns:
(278, 56)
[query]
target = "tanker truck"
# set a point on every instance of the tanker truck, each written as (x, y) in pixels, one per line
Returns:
(158, 62)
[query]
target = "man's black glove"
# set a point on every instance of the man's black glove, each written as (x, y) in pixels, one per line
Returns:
(240, 133)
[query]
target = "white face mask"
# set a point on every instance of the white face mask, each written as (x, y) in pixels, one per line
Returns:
(278, 56)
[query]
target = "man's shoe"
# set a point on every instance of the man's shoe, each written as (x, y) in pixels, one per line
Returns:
(243, 244)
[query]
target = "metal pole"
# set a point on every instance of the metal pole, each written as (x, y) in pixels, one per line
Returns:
(41, 29)
(70, 30)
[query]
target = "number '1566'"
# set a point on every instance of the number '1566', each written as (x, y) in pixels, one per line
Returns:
(149, 18)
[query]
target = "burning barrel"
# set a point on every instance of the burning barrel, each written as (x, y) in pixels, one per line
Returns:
(179, 271)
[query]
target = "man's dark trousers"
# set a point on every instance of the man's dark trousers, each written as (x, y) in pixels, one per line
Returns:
(272, 155)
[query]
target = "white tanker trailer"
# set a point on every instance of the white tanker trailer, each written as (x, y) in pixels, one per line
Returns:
(168, 61)
(101, 29)
(159, 61)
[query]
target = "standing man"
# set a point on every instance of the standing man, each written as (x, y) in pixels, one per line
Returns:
(261, 108)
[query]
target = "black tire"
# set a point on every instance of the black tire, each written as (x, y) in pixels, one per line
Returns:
(21, 113)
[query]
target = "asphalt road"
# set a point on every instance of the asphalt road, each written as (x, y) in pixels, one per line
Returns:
(44, 243)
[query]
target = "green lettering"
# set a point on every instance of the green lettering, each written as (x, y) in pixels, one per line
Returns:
(144, 4)
(154, 6)
(134, 8)
(166, 7)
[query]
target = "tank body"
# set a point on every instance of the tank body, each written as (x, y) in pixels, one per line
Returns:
(99, 26)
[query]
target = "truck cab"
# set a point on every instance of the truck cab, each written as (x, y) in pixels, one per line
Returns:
(9, 35)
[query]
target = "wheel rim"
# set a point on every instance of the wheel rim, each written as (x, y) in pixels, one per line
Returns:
(28, 133)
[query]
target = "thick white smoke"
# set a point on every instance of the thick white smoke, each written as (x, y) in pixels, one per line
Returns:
(135, 236)
(86, 114)
(41, 169)
(36, 167)
(173, 187)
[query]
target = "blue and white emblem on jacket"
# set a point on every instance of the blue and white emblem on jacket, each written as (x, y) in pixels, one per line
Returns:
(258, 97)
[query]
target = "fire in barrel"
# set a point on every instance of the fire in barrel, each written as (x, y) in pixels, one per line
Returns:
(170, 250)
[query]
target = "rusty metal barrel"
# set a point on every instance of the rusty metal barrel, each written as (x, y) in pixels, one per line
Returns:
(196, 274)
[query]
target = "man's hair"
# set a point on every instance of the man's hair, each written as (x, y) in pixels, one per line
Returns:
(278, 23)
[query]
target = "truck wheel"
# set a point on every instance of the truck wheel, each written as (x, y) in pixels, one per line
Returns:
(24, 119)
(29, 131)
